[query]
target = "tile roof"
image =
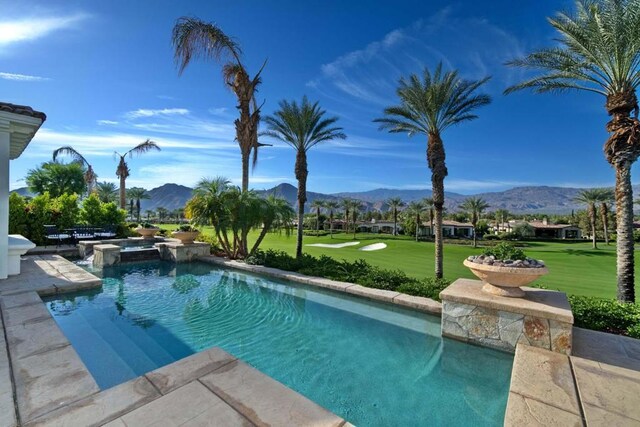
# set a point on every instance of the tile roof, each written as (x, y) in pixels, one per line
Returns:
(23, 110)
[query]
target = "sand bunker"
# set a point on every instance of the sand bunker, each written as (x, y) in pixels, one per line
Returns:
(374, 247)
(334, 245)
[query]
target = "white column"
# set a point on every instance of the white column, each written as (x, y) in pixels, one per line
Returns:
(5, 140)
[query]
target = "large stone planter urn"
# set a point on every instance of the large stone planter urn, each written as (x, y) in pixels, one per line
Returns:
(185, 237)
(147, 233)
(505, 281)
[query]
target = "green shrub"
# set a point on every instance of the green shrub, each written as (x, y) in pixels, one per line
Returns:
(504, 251)
(606, 315)
(490, 237)
(17, 214)
(428, 288)
(211, 240)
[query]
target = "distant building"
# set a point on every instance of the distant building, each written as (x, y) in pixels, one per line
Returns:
(541, 229)
(378, 226)
(449, 229)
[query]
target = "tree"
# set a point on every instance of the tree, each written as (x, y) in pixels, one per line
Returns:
(57, 179)
(355, 206)
(395, 203)
(135, 194)
(474, 206)
(605, 198)
(162, 214)
(346, 206)
(591, 198)
(428, 106)
(148, 212)
(597, 52)
(122, 171)
(501, 216)
(331, 206)
(90, 177)
(317, 205)
(302, 126)
(415, 209)
(106, 191)
(275, 212)
(428, 202)
(193, 38)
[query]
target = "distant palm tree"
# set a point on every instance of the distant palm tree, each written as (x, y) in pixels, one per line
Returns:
(90, 177)
(317, 204)
(395, 203)
(502, 216)
(346, 207)
(428, 106)
(122, 171)
(193, 38)
(135, 194)
(591, 198)
(598, 51)
(162, 214)
(331, 206)
(428, 203)
(356, 205)
(302, 126)
(606, 197)
(415, 209)
(107, 191)
(149, 212)
(474, 206)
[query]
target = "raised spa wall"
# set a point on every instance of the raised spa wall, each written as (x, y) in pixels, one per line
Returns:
(111, 253)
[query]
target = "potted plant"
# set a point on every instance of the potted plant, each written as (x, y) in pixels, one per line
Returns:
(186, 234)
(147, 230)
(504, 268)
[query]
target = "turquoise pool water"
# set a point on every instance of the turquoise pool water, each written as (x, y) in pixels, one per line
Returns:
(372, 364)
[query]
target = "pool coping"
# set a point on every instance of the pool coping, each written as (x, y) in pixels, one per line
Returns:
(43, 381)
(426, 305)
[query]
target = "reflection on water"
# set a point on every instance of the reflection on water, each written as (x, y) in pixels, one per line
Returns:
(369, 363)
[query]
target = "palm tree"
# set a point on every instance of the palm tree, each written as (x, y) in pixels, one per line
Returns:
(428, 106)
(135, 194)
(598, 51)
(90, 177)
(428, 202)
(193, 38)
(162, 214)
(606, 196)
(591, 198)
(317, 205)
(356, 205)
(394, 204)
(346, 206)
(502, 216)
(415, 210)
(302, 127)
(107, 191)
(275, 211)
(331, 205)
(474, 206)
(122, 171)
(149, 212)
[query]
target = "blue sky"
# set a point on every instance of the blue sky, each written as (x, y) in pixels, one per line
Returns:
(104, 74)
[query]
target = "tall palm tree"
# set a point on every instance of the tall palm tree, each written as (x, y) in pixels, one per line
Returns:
(606, 196)
(598, 51)
(591, 198)
(331, 206)
(135, 194)
(502, 216)
(428, 106)
(162, 214)
(356, 205)
(193, 38)
(415, 209)
(474, 206)
(317, 204)
(428, 202)
(302, 126)
(123, 171)
(149, 212)
(275, 211)
(346, 207)
(90, 177)
(395, 203)
(107, 191)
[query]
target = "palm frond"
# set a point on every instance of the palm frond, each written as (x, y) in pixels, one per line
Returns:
(143, 147)
(70, 151)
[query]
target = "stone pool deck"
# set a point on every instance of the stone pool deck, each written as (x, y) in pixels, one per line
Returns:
(43, 382)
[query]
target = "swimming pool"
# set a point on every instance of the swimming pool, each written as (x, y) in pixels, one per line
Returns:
(370, 363)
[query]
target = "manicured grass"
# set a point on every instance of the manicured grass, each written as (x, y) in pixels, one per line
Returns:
(574, 268)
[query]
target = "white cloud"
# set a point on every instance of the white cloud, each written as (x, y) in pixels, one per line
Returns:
(107, 123)
(153, 113)
(218, 111)
(22, 77)
(32, 28)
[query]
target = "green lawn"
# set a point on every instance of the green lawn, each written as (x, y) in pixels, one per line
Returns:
(574, 268)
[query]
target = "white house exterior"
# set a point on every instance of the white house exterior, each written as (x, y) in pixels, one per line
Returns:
(449, 229)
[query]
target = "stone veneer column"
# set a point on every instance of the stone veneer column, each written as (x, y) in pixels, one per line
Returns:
(106, 255)
(542, 318)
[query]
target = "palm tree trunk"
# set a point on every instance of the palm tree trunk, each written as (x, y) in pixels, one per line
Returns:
(245, 171)
(395, 222)
(475, 242)
(592, 220)
(605, 222)
(417, 226)
(301, 175)
(317, 221)
(123, 194)
(624, 230)
(263, 233)
(331, 225)
(436, 162)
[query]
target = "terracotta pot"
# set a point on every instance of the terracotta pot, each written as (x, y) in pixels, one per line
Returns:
(505, 281)
(147, 233)
(185, 237)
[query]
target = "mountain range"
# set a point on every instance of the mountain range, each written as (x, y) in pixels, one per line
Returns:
(532, 199)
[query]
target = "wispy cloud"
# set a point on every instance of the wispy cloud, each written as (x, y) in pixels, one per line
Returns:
(369, 76)
(107, 122)
(22, 77)
(33, 28)
(142, 112)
